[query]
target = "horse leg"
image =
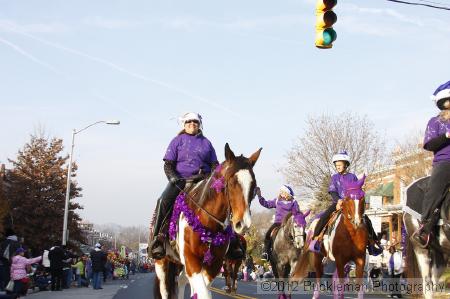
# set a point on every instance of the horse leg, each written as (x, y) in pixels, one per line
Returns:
(226, 274)
(338, 278)
(161, 267)
(319, 272)
(199, 286)
(234, 271)
(182, 281)
(423, 261)
(360, 262)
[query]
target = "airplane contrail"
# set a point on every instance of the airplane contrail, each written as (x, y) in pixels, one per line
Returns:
(123, 70)
(29, 56)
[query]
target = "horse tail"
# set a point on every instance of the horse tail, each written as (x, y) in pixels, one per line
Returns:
(412, 266)
(171, 282)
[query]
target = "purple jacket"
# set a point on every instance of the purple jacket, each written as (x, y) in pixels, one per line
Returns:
(284, 207)
(336, 184)
(435, 128)
(191, 153)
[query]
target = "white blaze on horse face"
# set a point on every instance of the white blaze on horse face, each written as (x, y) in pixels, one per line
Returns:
(245, 180)
(299, 234)
(357, 218)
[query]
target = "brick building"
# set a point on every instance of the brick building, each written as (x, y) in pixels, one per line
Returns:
(385, 189)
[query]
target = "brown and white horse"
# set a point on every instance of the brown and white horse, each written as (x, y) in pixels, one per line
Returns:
(215, 210)
(347, 241)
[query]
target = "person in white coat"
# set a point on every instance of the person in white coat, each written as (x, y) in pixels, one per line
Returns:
(395, 268)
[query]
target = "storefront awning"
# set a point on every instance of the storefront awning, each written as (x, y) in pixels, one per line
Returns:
(382, 190)
(388, 189)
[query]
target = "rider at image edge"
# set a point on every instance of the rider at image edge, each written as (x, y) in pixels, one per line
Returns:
(437, 140)
(189, 156)
(284, 204)
(341, 163)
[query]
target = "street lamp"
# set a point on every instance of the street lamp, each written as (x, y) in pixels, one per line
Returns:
(69, 172)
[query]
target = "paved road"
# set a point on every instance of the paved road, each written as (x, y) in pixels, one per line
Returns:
(142, 288)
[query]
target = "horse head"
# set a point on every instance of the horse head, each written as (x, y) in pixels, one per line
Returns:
(240, 186)
(298, 234)
(354, 202)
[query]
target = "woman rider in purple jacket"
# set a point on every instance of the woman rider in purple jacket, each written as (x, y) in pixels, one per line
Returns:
(284, 204)
(341, 162)
(437, 140)
(190, 155)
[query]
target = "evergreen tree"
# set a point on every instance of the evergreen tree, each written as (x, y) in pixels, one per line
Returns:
(37, 194)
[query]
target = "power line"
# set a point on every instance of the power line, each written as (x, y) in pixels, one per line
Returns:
(420, 4)
(433, 2)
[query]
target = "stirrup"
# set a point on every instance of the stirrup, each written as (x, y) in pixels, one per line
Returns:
(315, 246)
(265, 256)
(417, 239)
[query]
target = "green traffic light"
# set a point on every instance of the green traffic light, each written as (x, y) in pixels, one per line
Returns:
(329, 36)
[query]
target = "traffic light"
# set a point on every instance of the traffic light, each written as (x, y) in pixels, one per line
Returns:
(325, 18)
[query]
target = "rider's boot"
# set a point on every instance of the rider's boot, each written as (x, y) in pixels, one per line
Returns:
(423, 235)
(316, 244)
(157, 250)
(265, 254)
(374, 246)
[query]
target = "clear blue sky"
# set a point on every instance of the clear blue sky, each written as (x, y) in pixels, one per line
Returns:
(249, 67)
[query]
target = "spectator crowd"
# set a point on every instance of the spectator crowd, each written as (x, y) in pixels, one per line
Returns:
(57, 268)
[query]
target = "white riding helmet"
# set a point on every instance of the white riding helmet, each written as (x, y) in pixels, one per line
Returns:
(441, 94)
(288, 190)
(341, 156)
(191, 116)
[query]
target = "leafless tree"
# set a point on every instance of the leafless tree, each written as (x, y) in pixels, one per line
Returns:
(309, 161)
(410, 159)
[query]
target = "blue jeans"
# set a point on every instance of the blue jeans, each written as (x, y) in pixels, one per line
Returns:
(97, 280)
(67, 278)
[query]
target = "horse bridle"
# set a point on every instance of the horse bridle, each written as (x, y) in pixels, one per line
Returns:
(292, 237)
(221, 223)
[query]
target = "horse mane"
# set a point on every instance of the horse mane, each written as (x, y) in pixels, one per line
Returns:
(204, 188)
(240, 162)
(286, 219)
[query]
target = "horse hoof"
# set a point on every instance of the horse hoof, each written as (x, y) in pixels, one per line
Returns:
(316, 295)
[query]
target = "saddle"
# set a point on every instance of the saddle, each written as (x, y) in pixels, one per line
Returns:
(414, 199)
(328, 228)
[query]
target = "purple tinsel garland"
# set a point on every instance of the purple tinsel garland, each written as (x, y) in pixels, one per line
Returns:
(206, 236)
(403, 240)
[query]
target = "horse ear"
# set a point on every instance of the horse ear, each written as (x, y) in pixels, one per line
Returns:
(362, 181)
(254, 157)
(229, 155)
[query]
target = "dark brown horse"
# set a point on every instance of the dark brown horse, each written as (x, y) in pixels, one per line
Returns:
(346, 242)
(231, 267)
(197, 258)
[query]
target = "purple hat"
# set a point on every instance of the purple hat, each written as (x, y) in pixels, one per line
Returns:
(20, 250)
(441, 94)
